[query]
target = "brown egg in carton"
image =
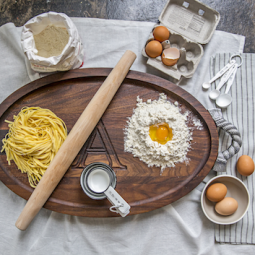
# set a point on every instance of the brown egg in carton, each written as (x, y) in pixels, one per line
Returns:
(190, 25)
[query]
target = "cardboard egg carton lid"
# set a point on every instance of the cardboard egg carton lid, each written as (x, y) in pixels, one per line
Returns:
(190, 18)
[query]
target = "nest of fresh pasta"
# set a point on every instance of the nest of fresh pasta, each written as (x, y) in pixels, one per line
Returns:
(33, 140)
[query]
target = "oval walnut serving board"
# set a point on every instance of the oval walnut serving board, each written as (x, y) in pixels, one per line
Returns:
(144, 188)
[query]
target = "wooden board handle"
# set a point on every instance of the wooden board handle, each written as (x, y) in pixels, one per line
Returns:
(75, 140)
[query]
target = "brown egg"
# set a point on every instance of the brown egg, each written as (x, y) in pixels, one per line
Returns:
(216, 192)
(227, 206)
(161, 33)
(245, 165)
(170, 56)
(153, 49)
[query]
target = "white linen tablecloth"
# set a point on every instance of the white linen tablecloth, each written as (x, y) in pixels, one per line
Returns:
(179, 228)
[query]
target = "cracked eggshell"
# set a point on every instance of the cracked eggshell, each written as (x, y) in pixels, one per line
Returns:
(170, 56)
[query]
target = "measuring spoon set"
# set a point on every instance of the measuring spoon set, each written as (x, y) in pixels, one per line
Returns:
(227, 74)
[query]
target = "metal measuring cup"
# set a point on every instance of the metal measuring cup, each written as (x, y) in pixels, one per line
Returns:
(98, 181)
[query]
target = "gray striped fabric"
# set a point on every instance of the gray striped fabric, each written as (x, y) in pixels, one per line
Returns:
(242, 114)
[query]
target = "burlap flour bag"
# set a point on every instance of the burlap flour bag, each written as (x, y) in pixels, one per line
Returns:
(51, 43)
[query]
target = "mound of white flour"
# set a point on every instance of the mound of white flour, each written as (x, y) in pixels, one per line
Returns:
(137, 139)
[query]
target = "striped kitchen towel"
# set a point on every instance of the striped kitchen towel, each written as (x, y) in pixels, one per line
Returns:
(240, 113)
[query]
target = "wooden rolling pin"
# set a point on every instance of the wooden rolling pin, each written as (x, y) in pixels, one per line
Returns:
(75, 140)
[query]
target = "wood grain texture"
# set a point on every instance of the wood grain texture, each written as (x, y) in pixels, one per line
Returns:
(67, 94)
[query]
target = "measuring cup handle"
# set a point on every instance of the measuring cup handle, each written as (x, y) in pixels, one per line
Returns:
(221, 161)
(119, 204)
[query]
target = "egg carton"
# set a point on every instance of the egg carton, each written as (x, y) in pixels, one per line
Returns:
(191, 25)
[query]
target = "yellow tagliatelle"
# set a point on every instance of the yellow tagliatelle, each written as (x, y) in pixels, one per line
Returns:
(33, 140)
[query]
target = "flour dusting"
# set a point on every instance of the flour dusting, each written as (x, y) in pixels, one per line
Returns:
(194, 120)
(137, 139)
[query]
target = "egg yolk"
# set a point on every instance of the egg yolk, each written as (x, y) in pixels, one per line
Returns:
(160, 133)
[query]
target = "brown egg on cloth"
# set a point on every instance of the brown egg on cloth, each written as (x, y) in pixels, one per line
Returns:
(227, 206)
(153, 49)
(161, 33)
(245, 165)
(216, 192)
(170, 56)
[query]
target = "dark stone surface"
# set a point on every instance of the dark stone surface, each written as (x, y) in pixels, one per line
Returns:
(20, 11)
(237, 16)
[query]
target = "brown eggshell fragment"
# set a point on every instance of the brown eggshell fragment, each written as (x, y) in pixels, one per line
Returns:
(227, 206)
(170, 56)
(161, 33)
(153, 49)
(245, 165)
(216, 192)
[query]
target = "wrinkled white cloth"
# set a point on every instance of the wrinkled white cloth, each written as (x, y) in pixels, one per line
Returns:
(179, 228)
